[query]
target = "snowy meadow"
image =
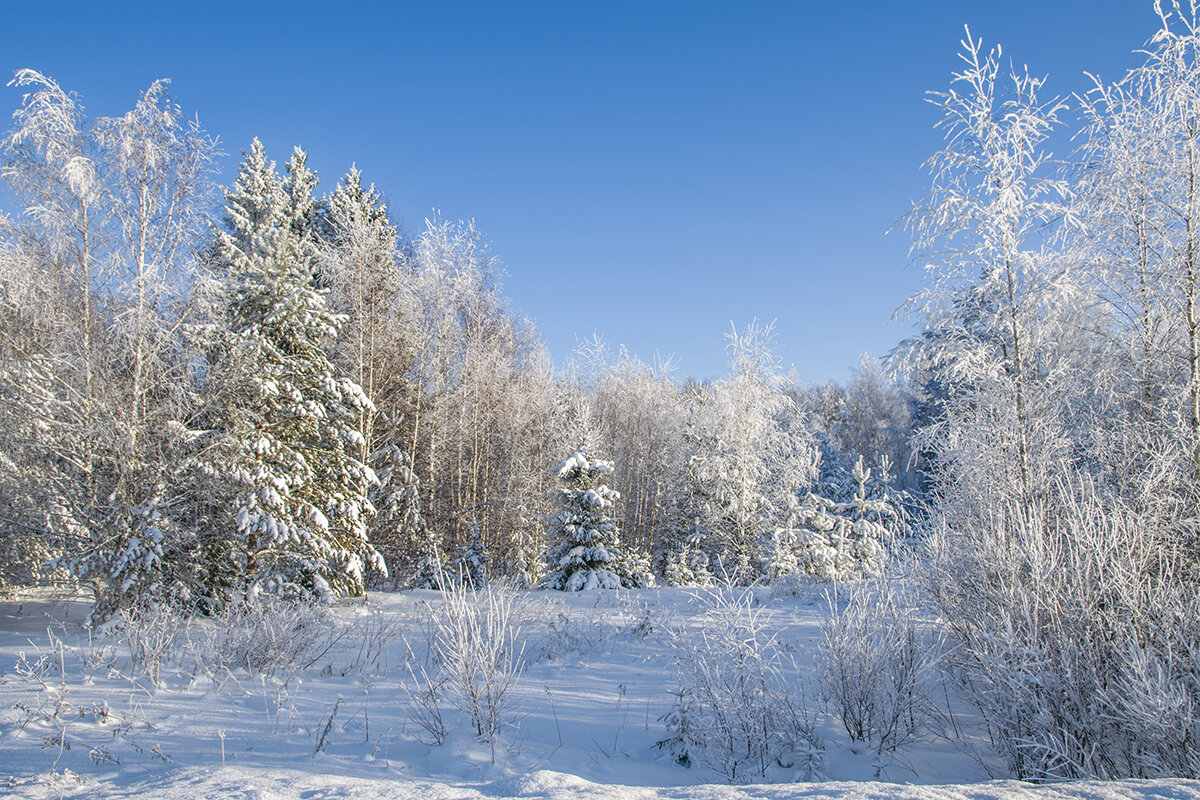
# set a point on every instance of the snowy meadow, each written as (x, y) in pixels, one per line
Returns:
(551, 694)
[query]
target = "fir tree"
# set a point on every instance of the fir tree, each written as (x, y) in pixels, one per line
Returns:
(688, 566)
(585, 550)
(430, 571)
(836, 540)
(399, 528)
(470, 566)
(525, 564)
(301, 511)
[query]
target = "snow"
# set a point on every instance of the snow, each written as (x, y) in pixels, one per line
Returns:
(239, 783)
(598, 675)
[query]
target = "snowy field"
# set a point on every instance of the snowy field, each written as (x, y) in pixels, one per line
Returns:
(361, 709)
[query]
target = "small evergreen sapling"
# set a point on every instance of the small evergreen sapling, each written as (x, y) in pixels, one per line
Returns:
(585, 550)
(833, 540)
(400, 530)
(688, 566)
(430, 571)
(470, 566)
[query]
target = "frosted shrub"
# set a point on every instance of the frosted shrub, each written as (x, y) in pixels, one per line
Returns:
(369, 634)
(266, 634)
(474, 642)
(876, 666)
(570, 633)
(425, 701)
(1078, 638)
(735, 709)
(65, 687)
(151, 635)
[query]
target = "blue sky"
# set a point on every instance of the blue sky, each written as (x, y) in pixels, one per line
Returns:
(647, 171)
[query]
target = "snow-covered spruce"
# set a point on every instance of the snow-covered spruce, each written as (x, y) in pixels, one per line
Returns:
(688, 565)
(430, 569)
(470, 566)
(301, 510)
(834, 541)
(585, 551)
(399, 533)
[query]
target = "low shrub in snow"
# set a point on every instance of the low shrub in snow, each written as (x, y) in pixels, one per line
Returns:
(151, 636)
(877, 666)
(1077, 633)
(736, 710)
(475, 660)
(267, 633)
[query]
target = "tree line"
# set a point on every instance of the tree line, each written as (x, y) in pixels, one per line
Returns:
(278, 391)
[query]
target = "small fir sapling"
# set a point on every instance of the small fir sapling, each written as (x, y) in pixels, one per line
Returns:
(834, 541)
(524, 566)
(688, 566)
(635, 570)
(430, 572)
(585, 551)
(399, 525)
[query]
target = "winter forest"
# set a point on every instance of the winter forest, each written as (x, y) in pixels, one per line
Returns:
(265, 454)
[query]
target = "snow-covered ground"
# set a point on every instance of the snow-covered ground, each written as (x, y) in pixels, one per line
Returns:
(78, 718)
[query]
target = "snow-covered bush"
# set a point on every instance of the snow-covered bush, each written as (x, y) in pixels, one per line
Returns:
(433, 570)
(736, 711)
(474, 641)
(876, 664)
(634, 569)
(151, 635)
(1077, 636)
(266, 634)
(430, 569)
(568, 633)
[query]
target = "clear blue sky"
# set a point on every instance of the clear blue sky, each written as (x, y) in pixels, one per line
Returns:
(649, 171)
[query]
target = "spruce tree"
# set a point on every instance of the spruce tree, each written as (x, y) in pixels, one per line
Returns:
(301, 508)
(831, 540)
(470, 566)
(430, 570)
(585, 548)
(399, 532)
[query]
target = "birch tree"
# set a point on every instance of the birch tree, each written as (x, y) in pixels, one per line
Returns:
(987, 227)
(756, 457)
(1141, 197)
(113, 216)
